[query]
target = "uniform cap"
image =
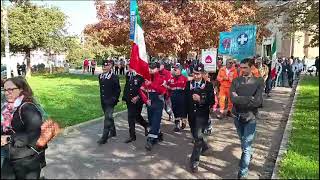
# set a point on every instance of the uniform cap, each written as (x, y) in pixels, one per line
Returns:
(199, 68)
(107, 63)
(154, 65)
(177, 66)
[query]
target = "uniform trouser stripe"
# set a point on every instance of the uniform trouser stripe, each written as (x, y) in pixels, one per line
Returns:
(153, 136)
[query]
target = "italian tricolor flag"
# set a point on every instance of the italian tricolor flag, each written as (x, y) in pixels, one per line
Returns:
(274, 51)
(138, 58)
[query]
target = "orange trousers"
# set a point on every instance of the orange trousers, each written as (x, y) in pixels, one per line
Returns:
(224, 93)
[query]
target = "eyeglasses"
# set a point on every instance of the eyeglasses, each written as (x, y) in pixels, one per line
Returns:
(10, 90)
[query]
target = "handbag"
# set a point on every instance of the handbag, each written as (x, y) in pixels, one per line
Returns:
(49, 128)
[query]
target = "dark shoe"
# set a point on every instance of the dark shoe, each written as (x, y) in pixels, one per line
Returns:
(183, 125)
(160, 138)
(229, 114)
(146, 131)
(149, 145)
(194, 167)
(102, 141)
(176, 129)
(131, 139)
(207, 152)
(112, 134)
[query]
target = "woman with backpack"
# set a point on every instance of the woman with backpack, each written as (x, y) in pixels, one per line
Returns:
(21, 120)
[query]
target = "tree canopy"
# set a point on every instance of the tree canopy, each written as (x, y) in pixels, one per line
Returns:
(302, 16)
(175, 27)
(32, 27)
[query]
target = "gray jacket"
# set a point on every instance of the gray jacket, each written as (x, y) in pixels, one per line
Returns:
(249, 95)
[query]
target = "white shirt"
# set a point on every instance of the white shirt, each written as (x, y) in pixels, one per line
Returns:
(227, 71)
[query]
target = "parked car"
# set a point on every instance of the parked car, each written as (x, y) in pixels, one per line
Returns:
(311, 69)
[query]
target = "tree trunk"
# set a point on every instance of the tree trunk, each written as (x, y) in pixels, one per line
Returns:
(182, 57)
(28, 68)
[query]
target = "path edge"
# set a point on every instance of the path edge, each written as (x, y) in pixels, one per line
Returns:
(286, 135)
(69, 129)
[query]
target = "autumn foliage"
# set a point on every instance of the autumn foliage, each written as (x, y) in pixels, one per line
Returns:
(175, 27)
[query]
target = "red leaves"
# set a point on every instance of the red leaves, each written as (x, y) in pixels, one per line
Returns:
(174, 28)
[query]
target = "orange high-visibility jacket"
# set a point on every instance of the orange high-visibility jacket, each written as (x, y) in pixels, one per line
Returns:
(223, 73)
(255, 72)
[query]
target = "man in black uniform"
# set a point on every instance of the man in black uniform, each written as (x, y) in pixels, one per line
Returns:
(199, 97)
(134, 103)
(109, 94)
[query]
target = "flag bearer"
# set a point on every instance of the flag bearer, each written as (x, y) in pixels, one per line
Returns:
(134, 103)
(152, 93)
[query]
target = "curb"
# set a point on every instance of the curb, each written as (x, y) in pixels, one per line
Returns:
(69, 129)
(285, 138)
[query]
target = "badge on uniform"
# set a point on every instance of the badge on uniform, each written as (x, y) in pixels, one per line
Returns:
(108, 76)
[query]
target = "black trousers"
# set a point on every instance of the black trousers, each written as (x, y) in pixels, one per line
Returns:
(116, 70)
(121, 70)
(198, 125)
(108, 126)
(24, 168)
(134, 115)
(92, 70)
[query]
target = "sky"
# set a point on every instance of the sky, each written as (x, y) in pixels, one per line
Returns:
(80, 13)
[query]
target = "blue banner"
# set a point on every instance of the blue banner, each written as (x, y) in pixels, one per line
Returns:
(225, 43)
(133, 16)
(243, 43)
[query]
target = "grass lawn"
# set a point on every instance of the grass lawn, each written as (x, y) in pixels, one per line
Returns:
(69, 98)
(302, 158)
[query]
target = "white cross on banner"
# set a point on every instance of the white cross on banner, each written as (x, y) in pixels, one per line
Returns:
(243, 43)
(243, 39)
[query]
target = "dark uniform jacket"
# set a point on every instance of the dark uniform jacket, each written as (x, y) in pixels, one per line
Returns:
(199, 109)
(132, 87)
(109, 89)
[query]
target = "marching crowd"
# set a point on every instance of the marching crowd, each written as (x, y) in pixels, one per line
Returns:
(188, 93)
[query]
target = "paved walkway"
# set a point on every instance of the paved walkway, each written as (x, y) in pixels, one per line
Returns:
(80, 71)
(77, 155)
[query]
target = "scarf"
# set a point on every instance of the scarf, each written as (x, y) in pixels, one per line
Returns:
(7, 111)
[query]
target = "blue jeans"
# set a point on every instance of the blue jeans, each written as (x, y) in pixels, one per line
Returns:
(3, 155)
(154, 116)
(246, 133)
